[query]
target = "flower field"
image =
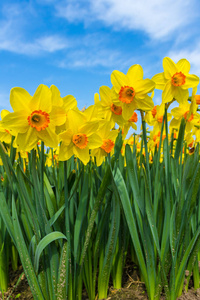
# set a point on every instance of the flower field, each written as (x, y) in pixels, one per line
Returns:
(77, 197)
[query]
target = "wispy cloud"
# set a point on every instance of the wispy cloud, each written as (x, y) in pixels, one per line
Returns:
(191, 53)
(158, 18)
(13, 35)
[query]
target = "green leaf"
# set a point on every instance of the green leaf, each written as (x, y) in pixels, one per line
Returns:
(42, 245)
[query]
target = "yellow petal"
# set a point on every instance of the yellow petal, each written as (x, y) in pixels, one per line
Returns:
(76, 120)
(105, 95)
(57, 116)
(135, 73)
(174, 123)
(69, 102)
(143, 87)
(160, 81)
(4, 112)
(49, 137)
(169, 67)
(145, 104)
(82, 154)
(26, 141)
(168, 93)
(181, 95)
(118, 80)
(128, 110)
(89, 127)
(183, 66)
(41, 99)
(55, 96)
(66, 136)
(94, 141)
(191, 81)
(20, 99)
(16, 122)
(66, 152)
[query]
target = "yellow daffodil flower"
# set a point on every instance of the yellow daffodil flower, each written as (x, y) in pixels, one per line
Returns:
(5, 135)
(79, 138)
(33, 118)
(156, 115)
(186, 111)
(175, 80)
(108, 142)
(107, 109)
(130, 91)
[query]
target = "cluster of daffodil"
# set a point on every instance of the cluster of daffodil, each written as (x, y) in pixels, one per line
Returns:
(91, 132)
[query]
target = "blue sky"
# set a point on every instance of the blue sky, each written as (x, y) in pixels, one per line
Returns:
(76, 44)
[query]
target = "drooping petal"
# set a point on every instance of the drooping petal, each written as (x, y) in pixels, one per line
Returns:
(174, 123)
(99, 155)
(181, 95)
(49, 137)
(119, 80)
(26, 141)
(170, 68)
(66, 152)
(20, 99)
(128, 110)
(168, 93)
(82, 154)
(177, 112)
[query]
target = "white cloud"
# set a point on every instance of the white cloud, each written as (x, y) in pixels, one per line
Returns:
(13, 35)
(192, 54)
(158, 18)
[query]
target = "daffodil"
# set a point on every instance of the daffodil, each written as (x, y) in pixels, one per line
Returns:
(107, 109)
(108, 137)
(60, 108)
(33, 119)
(186, 111)
(79, 138)
(130, 91)
(175, 80)
(156, 115)
(130, 123)
(5, 135)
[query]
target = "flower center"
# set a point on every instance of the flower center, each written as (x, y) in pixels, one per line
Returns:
(80, 140)
(154, 111)
(186, 115)
(160, 119)
(39, 120)
(107, 145)
(197, 98)
(134, 118)
(178, 79)
(126, 94)
(116, 109)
